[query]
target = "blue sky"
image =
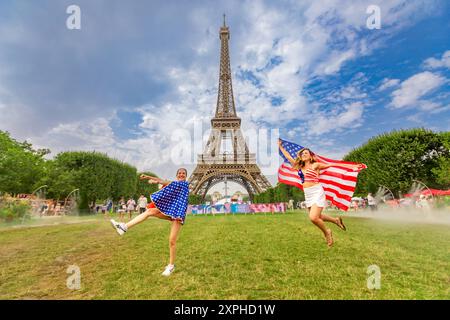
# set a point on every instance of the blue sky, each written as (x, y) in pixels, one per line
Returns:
(138, 71)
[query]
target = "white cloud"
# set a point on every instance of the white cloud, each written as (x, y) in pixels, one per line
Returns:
(94, 135)
(429, 106)
(301, 34)
(433, 107)
(334, 62)
(150, 152)
(434, 63)
(350, 117)
(388, 83)
(350, 93)
(414, 88)
(416, 118)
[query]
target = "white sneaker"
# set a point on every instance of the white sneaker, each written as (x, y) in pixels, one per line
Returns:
(119, 227)
(169, 269)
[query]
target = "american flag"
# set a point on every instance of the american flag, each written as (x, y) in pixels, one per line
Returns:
(338, 182)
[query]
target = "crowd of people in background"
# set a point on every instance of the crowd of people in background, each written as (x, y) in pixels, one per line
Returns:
(50, 207)
(123, 207)
(422, 202)
(126, 207)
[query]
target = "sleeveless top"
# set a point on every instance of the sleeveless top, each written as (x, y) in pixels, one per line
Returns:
(311, 176)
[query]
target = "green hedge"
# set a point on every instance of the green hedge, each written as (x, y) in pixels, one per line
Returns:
(13, 210)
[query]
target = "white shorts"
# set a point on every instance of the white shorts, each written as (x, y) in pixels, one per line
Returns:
(315, 195)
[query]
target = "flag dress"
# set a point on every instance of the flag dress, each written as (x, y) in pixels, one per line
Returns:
(172, 200)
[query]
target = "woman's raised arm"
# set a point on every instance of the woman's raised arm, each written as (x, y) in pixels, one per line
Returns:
(286, 154)
(154, 179)
(322, 166)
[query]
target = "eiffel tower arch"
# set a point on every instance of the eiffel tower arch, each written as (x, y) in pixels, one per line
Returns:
(217, 164)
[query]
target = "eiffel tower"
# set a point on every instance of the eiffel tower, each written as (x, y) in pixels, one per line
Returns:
(218, 164)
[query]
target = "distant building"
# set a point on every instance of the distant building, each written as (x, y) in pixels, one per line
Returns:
(238, 196)
(216, 196)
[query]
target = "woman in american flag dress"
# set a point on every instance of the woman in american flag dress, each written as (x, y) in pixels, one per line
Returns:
(309, 170)
(169, 203)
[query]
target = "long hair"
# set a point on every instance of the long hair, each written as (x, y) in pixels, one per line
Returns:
(299, 163)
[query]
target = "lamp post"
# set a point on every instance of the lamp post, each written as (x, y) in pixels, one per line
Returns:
(226, 187)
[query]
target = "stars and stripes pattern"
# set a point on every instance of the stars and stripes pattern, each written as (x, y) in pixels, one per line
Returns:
(338, 182)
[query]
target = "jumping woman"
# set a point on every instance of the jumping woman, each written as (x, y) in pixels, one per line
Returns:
(309, 170)
(169, 203)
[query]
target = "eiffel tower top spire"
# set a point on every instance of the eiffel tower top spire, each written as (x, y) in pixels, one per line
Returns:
(225, 100)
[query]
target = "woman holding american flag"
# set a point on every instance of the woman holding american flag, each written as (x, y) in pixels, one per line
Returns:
(308, 168)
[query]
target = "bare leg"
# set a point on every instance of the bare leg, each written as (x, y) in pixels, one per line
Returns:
(337, 221)
(176, 225)
(315, 216)
(151, 212)
(324, 217)
(143, 216)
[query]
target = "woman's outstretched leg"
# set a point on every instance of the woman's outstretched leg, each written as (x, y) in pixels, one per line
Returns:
(121, 228)
(326, 218)
(142, 217)
(337, 221)
(315, 214)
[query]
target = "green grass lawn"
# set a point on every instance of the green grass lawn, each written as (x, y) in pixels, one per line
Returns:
(280, 256)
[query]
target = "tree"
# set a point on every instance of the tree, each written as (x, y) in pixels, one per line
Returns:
(21, 167)
(395, 159)
(60, 181)
(194, 199)
(442, 172)
(143, 187)
(95, 174)
(296, 194)
(124, 180)
(280, 193)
